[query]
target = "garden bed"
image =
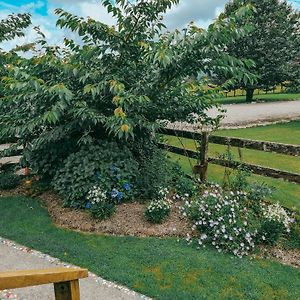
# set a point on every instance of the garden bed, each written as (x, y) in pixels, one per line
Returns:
(128, 220)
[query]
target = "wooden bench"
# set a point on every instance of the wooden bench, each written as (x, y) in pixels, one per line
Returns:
(65, 280)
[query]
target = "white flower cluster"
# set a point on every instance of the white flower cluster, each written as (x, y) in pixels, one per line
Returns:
(275, 212)
(159, 205)
(96, 195)
(222, 221)
(163, 193)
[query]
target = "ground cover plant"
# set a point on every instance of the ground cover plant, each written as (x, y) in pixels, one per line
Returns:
(159, 268)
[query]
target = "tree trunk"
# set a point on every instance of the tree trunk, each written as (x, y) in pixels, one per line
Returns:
(249, 95)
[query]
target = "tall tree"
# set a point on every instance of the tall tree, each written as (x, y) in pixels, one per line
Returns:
(11, 27)
(273, 44)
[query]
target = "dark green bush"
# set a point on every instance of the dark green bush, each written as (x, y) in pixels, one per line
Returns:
(154, 169)
(271, 231)
(102, 210)
(9, 181)
(182, 184)
(108, 166)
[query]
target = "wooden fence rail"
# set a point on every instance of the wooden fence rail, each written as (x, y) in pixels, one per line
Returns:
(280, 148)
(203, 159)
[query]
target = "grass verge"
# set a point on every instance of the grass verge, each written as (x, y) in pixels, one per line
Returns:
(262, 97)
(160, 268)
(288, 194)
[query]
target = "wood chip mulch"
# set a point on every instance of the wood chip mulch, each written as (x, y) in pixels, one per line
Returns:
(127, 220)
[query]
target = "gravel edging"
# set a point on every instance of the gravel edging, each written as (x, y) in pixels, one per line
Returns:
(6, 294)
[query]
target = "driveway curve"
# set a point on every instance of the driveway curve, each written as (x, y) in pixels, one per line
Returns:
(243, 115)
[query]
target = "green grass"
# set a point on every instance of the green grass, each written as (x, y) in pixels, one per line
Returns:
(262, 97)
(287, 133)
(160, 268)
(288, 194)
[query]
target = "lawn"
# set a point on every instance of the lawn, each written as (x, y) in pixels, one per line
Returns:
(262, 97)
(160, 268)
(288, 194)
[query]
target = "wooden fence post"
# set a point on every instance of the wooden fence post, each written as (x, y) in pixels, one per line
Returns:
(201, 169)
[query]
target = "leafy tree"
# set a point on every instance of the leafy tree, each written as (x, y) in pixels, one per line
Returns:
(118, 84)
(273, 44)
(11, 27)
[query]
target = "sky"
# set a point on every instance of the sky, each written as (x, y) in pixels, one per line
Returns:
(202, 12)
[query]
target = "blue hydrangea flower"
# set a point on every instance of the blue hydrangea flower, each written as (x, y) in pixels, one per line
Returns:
(126, 186)
(114, 193)
(88, 205)
(120, 196)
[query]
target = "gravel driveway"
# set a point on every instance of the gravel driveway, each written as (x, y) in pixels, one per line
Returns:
(240, 115)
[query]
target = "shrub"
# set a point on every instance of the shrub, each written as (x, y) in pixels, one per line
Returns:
(157, 211)
(231, 222)
(154, 168)
(108, 166)
(222, 221)
(9, 181)
(100, 206)
(275, 222)
(183, 185)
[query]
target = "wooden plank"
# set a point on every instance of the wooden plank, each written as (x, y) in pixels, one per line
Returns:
(287, 149)
(67, 290)
(292, 150)
(259, 170)
(18, 279)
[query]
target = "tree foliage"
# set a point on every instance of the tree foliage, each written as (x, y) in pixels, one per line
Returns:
(118, 83)
(273, 44)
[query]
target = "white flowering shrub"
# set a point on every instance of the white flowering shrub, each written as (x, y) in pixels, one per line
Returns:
(276, 221)
(158, 210)
(96, 195)
(100, 206)
(234, 222)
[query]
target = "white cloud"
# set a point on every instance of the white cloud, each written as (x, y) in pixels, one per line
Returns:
(202, 12)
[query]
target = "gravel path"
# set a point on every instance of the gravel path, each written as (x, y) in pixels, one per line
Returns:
(16, 257)
(242, 115)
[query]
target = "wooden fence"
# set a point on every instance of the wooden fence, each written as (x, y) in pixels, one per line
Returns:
(203, 159)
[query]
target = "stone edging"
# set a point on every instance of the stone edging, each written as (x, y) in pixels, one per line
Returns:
(9, 295)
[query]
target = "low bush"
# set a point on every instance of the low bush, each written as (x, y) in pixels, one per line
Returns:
(231, 222)
(100, 205)
(108, 166)
(9, 180)
(158, 210)
(275, 223)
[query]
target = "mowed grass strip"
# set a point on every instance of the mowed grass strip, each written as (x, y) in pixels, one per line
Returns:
(160, 268)
(261, 97)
